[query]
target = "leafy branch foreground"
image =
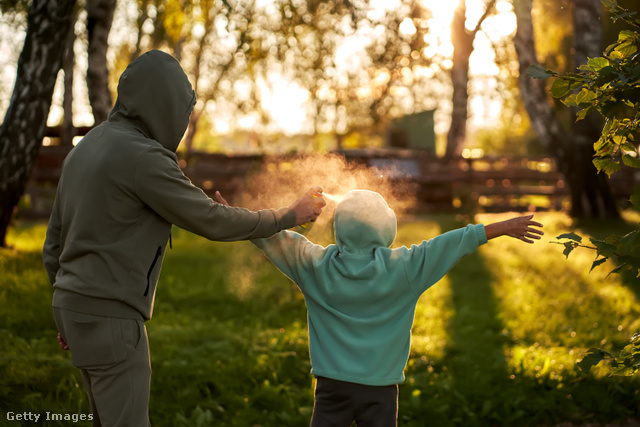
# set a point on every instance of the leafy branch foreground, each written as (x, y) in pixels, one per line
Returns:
(628, 363)
(609, 85)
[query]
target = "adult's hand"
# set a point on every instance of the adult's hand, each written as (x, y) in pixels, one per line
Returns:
(221, 199)
(308, 207)
(62, 342)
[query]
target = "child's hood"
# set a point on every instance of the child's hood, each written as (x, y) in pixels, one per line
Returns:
(363, 221)
(156, 97)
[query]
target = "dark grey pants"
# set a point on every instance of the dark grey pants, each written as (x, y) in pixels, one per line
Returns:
(113, 356)
(339, 403)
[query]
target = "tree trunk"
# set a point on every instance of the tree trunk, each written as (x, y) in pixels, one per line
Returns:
(142, 17)
(533, 91)
(534, 96)
(462, 48)
(67, 130)
(572, 157)
(99, 19)
(25, 121)
(595, 200)
(462, 41)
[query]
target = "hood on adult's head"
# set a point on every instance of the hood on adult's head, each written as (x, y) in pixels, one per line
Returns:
(363, 221)
(155, 95)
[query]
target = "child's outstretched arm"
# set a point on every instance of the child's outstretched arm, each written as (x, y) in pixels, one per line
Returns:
(522, 228)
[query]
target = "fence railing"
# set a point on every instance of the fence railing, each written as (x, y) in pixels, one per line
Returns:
(492, 184)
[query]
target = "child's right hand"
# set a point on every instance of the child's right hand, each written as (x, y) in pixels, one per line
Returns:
(521, 228)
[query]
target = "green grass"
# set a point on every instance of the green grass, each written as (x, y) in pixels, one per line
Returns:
(495, 342)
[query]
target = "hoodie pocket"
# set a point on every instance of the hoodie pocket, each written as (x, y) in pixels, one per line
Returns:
(153, 264)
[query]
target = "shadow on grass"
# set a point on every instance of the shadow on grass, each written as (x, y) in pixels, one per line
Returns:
(474, 384)
(231, 339)
(475, 353)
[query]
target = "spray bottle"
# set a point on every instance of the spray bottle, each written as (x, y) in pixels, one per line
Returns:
(306, 224)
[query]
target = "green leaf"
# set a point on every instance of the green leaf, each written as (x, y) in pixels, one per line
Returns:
(609, 4)
(635, 200)
(568, 248)
(597, 263)
(619, 269)
(631, 161)
(629, 244)
(571, 100)
(538, 72)
(627, 49)
(609, 124)
(607, 247)
(560, 88)
(570, 236)
(597, 64)
(625, 35)
(602, 146)
(584, 113)
(606, 164)
(605, 75)
(630, 261)
(623, 370)
(594, 357)
(616, 56)
(586, 97)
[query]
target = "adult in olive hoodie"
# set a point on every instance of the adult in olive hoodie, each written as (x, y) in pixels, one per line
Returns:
(361, 298)
(120, 191)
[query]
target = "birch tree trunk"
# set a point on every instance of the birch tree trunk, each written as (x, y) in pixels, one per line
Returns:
(67, 130)
(462, 41)
(25, 121)
(462, 48)
(99, 19)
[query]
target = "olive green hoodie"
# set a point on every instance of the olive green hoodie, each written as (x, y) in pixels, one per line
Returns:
(121, 189)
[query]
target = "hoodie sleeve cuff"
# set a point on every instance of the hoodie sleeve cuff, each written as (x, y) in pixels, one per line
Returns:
(481, 234)
(287, 218)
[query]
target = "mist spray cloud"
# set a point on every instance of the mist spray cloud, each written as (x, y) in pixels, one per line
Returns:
(281, 181)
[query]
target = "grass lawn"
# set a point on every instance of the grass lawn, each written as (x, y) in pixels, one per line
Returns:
(495, 342)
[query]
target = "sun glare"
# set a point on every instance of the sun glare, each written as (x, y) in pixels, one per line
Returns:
(500, 24)
(495, 27)
(285, 102)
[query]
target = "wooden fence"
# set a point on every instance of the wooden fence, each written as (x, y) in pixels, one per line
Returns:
(490, 184)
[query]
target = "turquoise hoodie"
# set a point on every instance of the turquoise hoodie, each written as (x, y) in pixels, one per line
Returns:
(120, 191)
(360, 294)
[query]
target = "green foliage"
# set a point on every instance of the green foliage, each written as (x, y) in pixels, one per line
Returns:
(493, 343)
(610, 85)
(624, 248)
(627, 364)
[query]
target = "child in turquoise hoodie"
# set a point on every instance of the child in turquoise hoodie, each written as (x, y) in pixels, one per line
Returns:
(361, 298)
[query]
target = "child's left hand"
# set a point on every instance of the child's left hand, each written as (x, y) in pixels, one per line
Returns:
(521, 228)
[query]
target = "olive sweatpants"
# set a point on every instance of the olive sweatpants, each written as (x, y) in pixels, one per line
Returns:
(113, 356)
